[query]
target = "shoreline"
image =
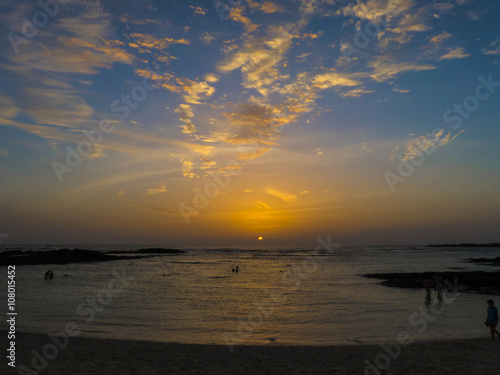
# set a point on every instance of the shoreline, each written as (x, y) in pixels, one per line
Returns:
(111, 356)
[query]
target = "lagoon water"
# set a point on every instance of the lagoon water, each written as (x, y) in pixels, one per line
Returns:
(279, 296)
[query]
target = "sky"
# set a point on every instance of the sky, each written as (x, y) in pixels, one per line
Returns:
(213, 123)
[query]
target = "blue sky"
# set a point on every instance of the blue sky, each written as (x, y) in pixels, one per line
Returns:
(189, 123)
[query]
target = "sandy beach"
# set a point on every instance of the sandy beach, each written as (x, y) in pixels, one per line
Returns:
(103, 356)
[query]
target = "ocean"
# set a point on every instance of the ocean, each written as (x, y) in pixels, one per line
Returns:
(279, 296)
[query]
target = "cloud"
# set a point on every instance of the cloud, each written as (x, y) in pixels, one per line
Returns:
(207, 37)
(403, 30)
(197, 91)
(287, 197)
(252, 123)
(302, 58)
(198, 10)
(92, 9)
(193, 91)
(159, 190)
(376, 10)
(417, 145)
(50, 69)
(236, 14)
(355, 93)
(333, 79)
(57, 107)
(443, 7)
(211, 77)
(436, 49)
(493, 48)
(85, 52)
(52, 134)
(401, 91)
(455, 53)
(185, 112)
(146, 42)
(438, 39)
(474, 15)
(308, 7)
(385, 69)
(260, 58)
(8, 108)
(268, 7)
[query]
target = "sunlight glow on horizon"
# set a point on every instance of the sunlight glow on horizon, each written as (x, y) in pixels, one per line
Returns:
(158, 122)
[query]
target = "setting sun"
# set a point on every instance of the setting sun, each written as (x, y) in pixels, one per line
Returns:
(260, 238)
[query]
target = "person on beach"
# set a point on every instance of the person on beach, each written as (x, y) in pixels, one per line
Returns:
(439, 285)
(427, 285)
(492, 319)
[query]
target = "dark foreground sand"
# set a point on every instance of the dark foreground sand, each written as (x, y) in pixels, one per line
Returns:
(96, 356)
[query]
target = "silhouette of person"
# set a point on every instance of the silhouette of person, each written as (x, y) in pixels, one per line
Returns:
(492, 319)
(427, 286)
(439, 285)
(427, 299)
(237, 269)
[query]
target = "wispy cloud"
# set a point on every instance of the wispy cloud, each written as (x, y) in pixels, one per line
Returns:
(198, 10)
(268, 7)
(493, 48)
(8, 108)
(159, 190)
(416, 145)
(287, 197)
(185, 112)
(385, 68)
(236, 14)
(260, 58)
(376, 10)
(455, 53)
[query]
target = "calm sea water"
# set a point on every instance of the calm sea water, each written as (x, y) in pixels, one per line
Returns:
(278, 296)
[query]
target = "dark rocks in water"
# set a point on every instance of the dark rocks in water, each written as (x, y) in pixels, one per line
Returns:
(159, 250)
(153, 250)
(494, 244)
(492, 261)
(481, 282)
(62, 256)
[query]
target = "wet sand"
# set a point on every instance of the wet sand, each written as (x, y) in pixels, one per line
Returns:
(103, 356)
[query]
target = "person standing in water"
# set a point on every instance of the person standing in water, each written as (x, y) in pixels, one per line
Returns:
(427, 286)
(439, 285)
(492, 319)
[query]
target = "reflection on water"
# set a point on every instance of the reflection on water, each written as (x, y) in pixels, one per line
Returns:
(276, 297)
